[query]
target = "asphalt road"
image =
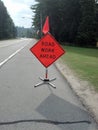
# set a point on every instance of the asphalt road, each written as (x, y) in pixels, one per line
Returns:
(23, 107)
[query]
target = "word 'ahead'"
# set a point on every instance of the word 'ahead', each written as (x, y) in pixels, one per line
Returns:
(47, 50)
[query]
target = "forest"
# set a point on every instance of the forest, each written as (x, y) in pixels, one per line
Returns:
(24, 32)
(74, 22)
(7, 27)
(71, 21)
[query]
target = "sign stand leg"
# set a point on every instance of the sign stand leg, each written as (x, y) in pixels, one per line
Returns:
(46, 80)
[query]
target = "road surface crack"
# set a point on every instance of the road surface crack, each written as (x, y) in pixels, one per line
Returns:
(44, 121)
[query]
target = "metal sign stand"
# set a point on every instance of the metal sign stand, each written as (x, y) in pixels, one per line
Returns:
(46, 80)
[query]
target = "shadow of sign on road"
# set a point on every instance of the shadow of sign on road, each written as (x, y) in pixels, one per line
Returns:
(72, 117)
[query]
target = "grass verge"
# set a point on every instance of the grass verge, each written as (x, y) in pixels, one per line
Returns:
(84, 62)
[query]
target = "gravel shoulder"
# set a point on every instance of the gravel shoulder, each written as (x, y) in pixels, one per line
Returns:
(83, 89)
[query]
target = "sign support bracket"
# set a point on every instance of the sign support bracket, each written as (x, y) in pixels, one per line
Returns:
(46, 80)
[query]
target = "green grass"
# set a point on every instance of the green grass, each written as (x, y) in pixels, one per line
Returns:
(84, 62)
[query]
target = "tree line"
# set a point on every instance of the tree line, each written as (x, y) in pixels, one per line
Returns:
(71, 21)
(7, 27)
(24, 32)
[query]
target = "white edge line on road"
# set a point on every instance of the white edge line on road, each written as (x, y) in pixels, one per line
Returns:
(3, 62)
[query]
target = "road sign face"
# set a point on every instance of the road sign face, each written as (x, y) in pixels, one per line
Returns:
(47, 50)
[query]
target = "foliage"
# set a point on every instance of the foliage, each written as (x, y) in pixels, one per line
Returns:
(70, 20)
(24, 32)
(97, 21)
(86, 30)
(7, 27)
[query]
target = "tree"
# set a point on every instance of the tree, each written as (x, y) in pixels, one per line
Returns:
(86, 31)
(70, 20)
(24, 32)
(7, 27)
(97, 21)
(63, 14)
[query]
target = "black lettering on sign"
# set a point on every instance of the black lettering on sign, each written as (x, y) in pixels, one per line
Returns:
(47, 50)
(44, 56)
(48, 44)
(52, 56)
(47, 56)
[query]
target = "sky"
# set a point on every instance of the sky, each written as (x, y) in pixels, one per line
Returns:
(20, 12)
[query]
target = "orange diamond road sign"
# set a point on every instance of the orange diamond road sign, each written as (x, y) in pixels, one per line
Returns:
(47, 50)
